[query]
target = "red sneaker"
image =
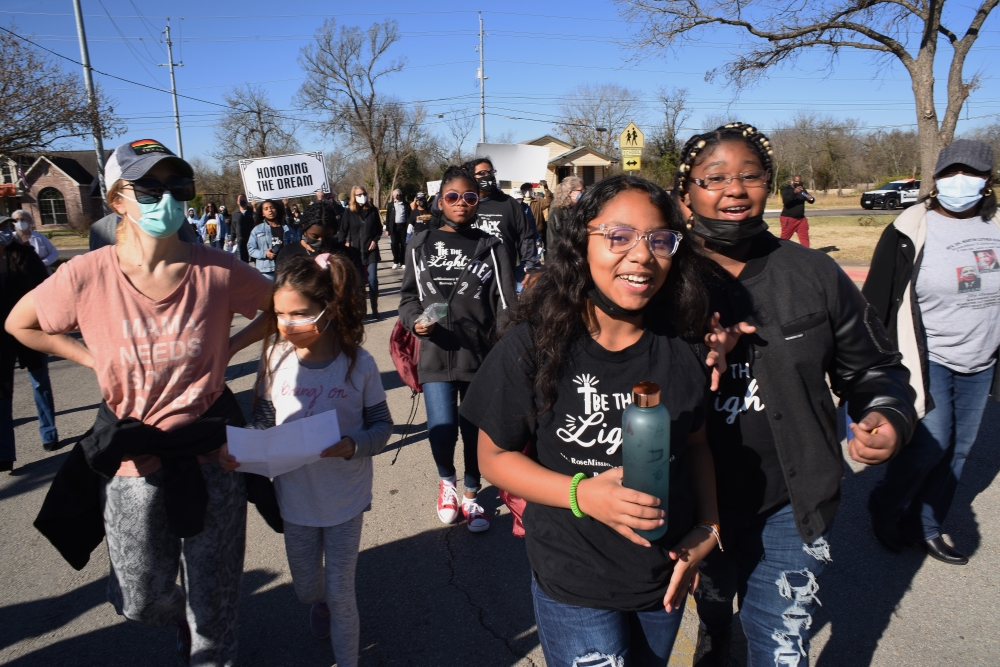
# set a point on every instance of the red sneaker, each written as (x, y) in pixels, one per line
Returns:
(475, 517)
(447, 505)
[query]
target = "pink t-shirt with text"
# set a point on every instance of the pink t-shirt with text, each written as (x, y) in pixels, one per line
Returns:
(162, 362)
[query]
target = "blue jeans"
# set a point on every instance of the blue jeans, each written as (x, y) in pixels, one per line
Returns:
(920, 481)
(371, 277)
(43, 402)
(584, 636)
(443, 426)
(774, 574)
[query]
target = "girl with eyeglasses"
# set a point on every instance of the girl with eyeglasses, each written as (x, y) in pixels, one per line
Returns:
(790, 318)
(155, 316)
(455, 267)
(614, 307)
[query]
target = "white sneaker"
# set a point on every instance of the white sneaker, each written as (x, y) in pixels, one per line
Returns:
(447, 504)
(475, 517)
(395, 266)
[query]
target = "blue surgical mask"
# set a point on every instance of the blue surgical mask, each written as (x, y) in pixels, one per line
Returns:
(161, 219)
(6, 237)
(960, 192)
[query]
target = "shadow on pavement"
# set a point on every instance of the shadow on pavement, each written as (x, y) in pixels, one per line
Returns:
(442, 597)
(31, 476)
(863, 586)
(25, 420)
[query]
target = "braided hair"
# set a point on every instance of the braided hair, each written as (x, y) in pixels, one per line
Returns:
(696, 145)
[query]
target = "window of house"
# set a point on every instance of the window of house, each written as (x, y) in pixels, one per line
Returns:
(52, 206)
(5, 172)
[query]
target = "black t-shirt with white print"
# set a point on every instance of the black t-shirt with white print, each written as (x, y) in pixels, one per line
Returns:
(449, 255)
(749, 478)
(582, 561)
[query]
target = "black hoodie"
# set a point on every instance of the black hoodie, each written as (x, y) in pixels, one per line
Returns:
(457, 345)
(502, 216)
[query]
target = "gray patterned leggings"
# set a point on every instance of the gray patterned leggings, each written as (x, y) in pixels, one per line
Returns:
(333, 582)
(146, 558)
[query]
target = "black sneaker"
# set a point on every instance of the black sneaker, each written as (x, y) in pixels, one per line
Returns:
(53, 446)
(6, 466)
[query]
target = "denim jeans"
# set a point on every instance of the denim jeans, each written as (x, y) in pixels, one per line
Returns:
(774, 574)
(443, 426)
(44, 403)
(920, 481)
(583, 636)
(371, 278)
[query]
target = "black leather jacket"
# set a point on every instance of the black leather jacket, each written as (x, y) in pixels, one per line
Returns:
(813, 324)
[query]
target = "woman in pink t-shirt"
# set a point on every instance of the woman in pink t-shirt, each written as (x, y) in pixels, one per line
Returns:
(155, 315)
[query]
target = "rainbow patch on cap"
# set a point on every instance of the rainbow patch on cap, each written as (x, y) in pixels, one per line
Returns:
(144, 146)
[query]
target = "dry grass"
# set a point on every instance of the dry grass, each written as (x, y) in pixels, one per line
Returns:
(854, 241)
(851, 199)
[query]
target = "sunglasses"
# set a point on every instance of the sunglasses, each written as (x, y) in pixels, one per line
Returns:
(150, 190)
(471, 198)
(620, 240)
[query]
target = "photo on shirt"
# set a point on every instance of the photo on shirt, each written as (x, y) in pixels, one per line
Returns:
(968, 279)
(987, 261)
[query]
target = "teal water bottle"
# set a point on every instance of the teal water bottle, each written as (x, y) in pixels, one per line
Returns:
(646, 448)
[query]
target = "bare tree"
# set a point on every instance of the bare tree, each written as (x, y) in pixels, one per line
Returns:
(903, 30)
(43, 105)
(252, 127)
(596, 114)
(459, 123)
(344, 71)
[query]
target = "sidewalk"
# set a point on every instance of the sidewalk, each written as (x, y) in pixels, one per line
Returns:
(857, 270)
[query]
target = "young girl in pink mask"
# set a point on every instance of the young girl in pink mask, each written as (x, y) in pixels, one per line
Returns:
(313, 362)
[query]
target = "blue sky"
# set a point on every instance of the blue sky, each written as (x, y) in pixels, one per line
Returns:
(531, 59)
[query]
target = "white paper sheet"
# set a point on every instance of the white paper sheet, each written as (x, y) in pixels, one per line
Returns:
(280, 449)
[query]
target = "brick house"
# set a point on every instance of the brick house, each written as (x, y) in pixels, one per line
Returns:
(60, 188)
(568, 160)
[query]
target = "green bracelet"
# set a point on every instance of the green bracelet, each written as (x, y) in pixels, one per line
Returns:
(572, 494)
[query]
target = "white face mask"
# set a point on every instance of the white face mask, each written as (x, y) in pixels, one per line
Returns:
(22, 226)
(960, 192)
(361, 199)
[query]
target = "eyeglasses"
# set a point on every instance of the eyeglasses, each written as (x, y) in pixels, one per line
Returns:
(491, 172)
(750, 179)
(300, 323)
(471, 198)
(150, 190)
(620, 240)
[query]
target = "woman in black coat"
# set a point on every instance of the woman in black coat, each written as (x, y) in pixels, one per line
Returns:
(360, 230)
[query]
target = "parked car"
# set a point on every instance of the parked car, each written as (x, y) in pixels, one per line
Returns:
(892, 195)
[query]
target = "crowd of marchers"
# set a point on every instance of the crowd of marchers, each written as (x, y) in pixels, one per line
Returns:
(543, 318)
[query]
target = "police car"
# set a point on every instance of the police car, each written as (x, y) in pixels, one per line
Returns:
(892, 195)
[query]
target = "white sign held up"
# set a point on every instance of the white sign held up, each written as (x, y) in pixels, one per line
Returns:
(297, 175)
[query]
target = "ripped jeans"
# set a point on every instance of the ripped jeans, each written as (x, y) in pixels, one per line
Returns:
(573, 636)
(774, 575)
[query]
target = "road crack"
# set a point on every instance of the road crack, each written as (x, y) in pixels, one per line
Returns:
(468, 598)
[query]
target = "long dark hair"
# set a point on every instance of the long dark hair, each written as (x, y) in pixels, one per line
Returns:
(556, 305)
(259, 213)
(337, 287)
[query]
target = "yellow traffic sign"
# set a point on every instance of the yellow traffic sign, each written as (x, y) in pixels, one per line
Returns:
(632, 137)
(631, 163)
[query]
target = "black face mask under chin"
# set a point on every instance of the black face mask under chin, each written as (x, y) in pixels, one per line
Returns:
(457, 226)
(727, 233)
(609, 307)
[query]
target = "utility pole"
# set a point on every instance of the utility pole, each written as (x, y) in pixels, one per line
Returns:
(482, 85)
(173, 90)
(88, 82)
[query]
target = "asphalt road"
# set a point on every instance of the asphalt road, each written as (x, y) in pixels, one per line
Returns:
(435, 595)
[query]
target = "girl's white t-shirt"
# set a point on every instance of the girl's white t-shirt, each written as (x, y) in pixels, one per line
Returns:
(332, 490)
